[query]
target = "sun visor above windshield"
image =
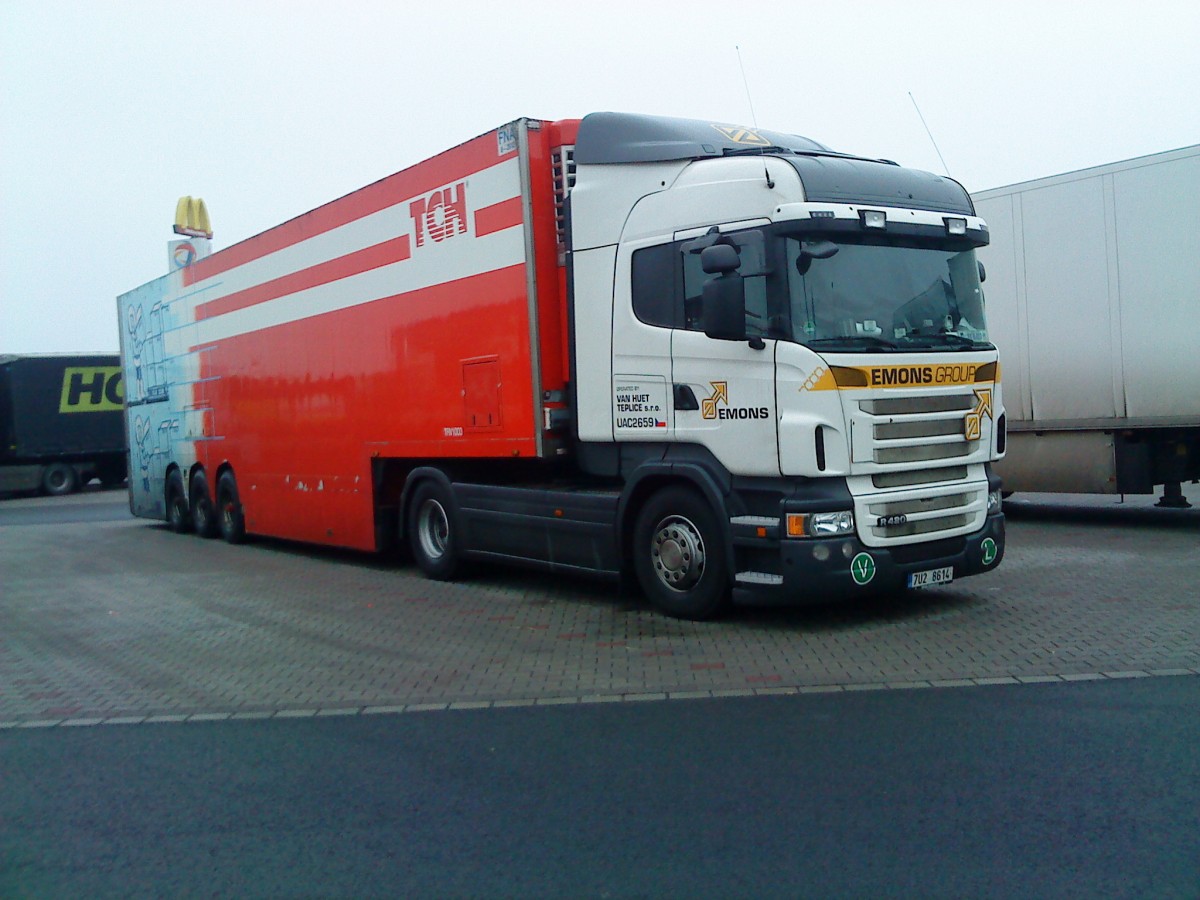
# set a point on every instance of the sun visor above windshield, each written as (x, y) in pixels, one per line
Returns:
(608, 137)
(866, 182)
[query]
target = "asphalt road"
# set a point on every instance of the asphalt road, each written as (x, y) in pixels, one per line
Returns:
(1089, 789)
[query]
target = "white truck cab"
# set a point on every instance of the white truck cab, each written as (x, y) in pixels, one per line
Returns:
(800, 336)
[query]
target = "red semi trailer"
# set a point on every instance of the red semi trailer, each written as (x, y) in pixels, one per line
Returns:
(731, 361)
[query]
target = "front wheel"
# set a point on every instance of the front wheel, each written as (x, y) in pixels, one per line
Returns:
(679, 555)
(433, 532)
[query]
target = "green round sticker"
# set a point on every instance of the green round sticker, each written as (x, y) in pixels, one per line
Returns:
(989, 551)
(862, 568)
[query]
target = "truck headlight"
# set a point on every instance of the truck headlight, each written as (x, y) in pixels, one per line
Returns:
(824, 524)
(994, 502)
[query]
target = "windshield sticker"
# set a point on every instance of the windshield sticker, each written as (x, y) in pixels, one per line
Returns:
(639, 403)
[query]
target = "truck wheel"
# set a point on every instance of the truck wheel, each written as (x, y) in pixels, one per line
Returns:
(679, 556)
(229, 510)
(204, 518)
(59, 479)
(433, 532)
(179, 517)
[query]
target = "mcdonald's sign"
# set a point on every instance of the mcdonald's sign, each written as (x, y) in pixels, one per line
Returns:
(191, 218)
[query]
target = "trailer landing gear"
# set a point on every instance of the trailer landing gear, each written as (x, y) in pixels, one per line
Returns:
(1172, 497)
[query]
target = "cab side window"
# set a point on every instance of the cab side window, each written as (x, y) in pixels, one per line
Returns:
(668, 283)
(654, 285)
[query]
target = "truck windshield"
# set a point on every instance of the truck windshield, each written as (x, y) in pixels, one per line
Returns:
(882, 293)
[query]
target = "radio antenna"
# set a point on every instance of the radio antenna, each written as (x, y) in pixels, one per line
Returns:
(753, 117)
(928, 132)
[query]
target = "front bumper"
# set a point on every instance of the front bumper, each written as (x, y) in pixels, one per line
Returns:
(817, 571)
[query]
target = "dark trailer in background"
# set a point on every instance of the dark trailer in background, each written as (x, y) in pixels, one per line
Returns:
(61, 422)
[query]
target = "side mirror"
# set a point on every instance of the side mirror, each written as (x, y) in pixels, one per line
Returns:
(723, 305)
(982, 272)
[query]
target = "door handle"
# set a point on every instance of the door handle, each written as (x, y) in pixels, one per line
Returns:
(684, 398)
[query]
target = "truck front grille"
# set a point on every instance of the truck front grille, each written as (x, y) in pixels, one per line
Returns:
(912, 515)
(908, 430)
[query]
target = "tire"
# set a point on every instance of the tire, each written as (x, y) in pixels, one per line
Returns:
(679, 555)
(204, 514)
(59, 479)
(179, 516)
(432, 531)
(230, 518)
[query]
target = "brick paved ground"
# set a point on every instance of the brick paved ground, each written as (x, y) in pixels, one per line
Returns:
(121, 621)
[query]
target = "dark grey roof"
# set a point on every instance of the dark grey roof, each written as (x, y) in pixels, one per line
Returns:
(847, 179)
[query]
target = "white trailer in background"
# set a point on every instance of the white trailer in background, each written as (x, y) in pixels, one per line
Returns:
(1093, 298)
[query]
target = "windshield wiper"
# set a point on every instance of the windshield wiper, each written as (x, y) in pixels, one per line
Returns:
(942, 338)
(853, 342)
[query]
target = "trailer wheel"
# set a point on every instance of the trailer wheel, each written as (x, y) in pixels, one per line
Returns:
(204, 518)
(229, 509)
(433, 532)
(179, 517)
(59, 479)
(679, 556)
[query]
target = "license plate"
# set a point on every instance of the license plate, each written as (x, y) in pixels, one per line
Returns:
(930, 577)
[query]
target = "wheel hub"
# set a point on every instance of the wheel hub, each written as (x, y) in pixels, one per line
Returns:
(678, 553)
(433, 529)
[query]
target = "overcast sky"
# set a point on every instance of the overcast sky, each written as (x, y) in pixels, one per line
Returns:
(109, 111)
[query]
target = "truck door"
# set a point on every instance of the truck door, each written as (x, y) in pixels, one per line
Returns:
(724, 390)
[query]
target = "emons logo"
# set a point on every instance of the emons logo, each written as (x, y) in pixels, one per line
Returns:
(711, 407)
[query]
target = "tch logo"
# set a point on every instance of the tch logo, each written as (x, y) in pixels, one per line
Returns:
(441, 215)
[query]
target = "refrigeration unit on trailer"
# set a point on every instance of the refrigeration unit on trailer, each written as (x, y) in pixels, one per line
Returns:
(1092, 297)
(731, 363)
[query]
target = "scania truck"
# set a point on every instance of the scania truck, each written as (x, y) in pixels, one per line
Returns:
(721, 362)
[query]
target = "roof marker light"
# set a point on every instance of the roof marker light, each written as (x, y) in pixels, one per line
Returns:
(955, 226)
(873, 218)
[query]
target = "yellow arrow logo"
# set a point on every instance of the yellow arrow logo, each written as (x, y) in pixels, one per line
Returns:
(973, 424)
(984, 407)
(720, 394)
(741, 135)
